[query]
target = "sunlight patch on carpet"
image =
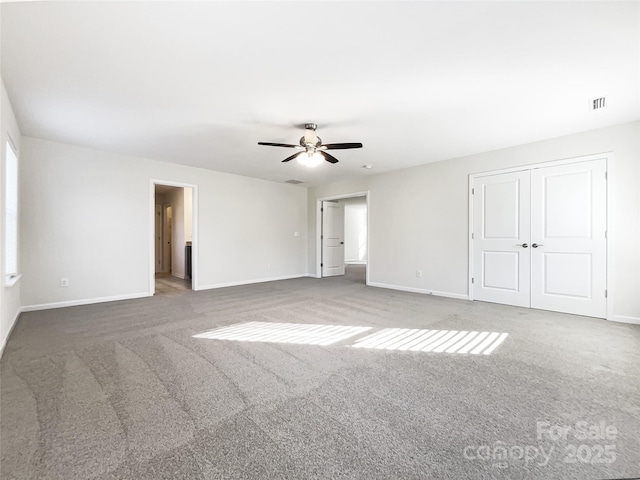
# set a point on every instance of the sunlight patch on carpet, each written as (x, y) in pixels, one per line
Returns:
(304, 334)
(419, 340)
(400, 339)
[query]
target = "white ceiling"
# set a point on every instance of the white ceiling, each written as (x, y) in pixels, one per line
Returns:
(200, 83)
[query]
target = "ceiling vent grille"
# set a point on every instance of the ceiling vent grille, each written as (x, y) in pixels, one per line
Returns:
(597, 103)
(294, 182)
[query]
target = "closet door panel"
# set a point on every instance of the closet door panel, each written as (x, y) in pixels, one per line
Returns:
(501, 232)
(568, 224)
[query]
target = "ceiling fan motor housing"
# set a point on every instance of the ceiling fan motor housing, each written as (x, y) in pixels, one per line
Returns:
(310, 140)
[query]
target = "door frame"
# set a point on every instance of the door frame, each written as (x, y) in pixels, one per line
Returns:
(608, 158)
(195, 283)
(319, 201)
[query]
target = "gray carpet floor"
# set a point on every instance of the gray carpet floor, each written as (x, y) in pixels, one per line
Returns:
(141, 389)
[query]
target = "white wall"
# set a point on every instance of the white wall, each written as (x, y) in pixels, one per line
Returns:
(9, 296)
(86, 215)
(419, 216)
(355, 229)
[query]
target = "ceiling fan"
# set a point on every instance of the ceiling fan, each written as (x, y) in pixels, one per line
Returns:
(313, 150)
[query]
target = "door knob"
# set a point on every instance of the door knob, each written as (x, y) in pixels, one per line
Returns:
(536, 245)
(523, 245)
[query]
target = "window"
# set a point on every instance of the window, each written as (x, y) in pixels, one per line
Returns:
(11, 216)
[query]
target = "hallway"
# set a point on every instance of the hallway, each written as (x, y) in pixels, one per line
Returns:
(167, 284)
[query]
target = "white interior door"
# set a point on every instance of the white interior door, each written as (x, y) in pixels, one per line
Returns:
(568, 235)
(158, 237)
(332, 239)
(166, 239)
(501, 232)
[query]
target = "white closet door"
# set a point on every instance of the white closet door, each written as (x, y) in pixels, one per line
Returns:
(568, 243)
(332, 239)
(501, 224)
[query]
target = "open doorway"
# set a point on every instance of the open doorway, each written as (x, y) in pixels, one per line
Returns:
(173, 234)
(342, 237)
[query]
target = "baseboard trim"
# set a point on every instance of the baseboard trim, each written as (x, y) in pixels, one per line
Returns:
(625, 319)
(249, 282)
(13, 325)
(355, 262)
(88, 301)
(420, 290)
(178, 275)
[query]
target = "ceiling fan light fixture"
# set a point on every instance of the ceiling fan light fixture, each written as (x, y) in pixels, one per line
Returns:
(310, 159)
(315, 152)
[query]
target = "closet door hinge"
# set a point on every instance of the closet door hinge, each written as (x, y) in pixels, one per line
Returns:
(606, 175)
(473, 191)
(606, 293)
(472, 236)
(472, 280)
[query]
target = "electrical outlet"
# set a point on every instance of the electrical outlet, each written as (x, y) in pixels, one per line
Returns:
(419, 273)
(64, 282)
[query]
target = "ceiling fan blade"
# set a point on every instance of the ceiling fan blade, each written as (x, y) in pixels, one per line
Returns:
(327, 157)
(340, 146)
(291, 157)
(279, 144)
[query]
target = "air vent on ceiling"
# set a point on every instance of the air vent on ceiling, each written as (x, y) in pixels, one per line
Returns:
(597, 103)
(294, 182)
